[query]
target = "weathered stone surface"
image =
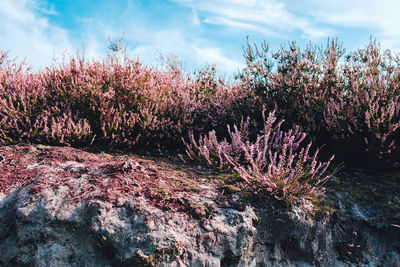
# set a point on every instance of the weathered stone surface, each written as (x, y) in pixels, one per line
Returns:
(66, 207)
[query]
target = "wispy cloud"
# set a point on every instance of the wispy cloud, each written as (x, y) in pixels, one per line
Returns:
(306, 19)
(211, 31)
(186, 39)
(196, 50)
(265, 16)
(196, 20)
(24, 32)
(215, 54)
(381, 18)
(242, 26)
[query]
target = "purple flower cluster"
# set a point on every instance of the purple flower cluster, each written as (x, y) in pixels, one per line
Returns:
(276, 162)
(113, 103)
(349, 102)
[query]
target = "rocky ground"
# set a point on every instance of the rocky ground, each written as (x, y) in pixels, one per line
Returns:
(61, 206)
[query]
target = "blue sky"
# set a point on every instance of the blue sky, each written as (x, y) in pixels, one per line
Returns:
(198, 32)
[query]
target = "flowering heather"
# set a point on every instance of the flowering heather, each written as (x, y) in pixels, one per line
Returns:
(276, 162)
(350, 102)
(115, 103)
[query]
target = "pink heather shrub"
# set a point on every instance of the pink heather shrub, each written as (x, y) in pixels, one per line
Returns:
(19, 93)
(276, 162)
(115, 103)
(366, 115)
(349, 103)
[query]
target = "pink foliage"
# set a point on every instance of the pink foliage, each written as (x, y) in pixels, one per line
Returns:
(350, 103)
(275, 162)
(113, 103)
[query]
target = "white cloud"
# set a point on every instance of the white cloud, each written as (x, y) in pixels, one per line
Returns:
(314, 19)
(380, 18)
(195, 18)
(26, 31)
(197, 51)
(27, 34)
(215, 54)
(234, 24)
(268, 17)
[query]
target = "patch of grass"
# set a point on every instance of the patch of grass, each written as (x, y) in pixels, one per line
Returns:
(321, 206)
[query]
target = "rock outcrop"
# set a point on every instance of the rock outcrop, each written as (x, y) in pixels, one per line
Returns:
(61, 206)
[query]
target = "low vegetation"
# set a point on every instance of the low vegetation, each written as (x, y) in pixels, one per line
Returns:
(348, 104)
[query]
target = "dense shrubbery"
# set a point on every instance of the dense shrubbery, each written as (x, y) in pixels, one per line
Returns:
(350, 103)
(115, 104)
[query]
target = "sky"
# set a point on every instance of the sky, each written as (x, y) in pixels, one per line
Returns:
(198, 32)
